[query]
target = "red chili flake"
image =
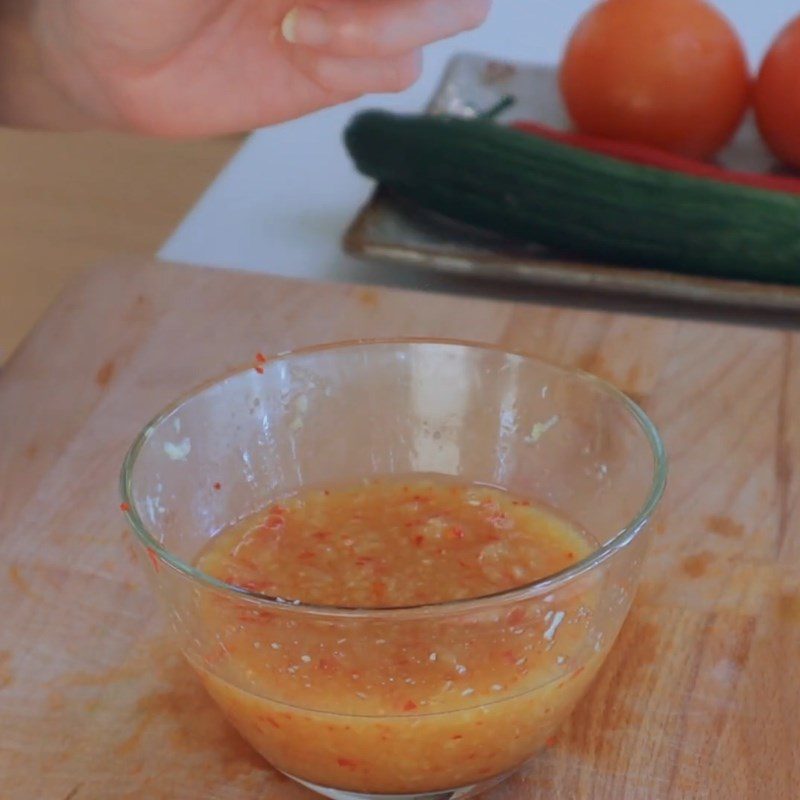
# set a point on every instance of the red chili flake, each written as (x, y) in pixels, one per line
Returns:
(509, 656)
(151, 554)
(322, 535)
(419, 540)
(306, 554)
(326, 492)
(578, 672)
(552, 741)
(362, 561)
(409, 705)
(274, 521)
(255, 586)
(346, 762)
(215, 657)
(271, 721)
(456, 532)
(253, 614)
(124, 507)
(463, 563)
(515, 616)
(259, 369)
(261, 358)
(457, 736)
(217, 486)
(327, 665)
(378, 588)
(570, 555)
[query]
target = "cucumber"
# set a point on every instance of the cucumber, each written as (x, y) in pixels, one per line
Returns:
(535, 190)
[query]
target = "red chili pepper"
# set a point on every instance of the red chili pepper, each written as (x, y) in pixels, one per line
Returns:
(124, 507)
(652, 157)
(261, 358)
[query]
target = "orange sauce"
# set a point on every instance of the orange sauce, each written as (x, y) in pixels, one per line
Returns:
(404, 701)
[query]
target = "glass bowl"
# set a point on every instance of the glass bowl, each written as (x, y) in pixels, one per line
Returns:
(349, 411)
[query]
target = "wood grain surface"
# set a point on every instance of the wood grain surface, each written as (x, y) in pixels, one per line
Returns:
(70, 200)
(699, 699)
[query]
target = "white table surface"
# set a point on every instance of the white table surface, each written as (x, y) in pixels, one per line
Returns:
(280, 206)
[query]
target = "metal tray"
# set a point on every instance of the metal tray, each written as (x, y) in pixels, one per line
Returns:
(389, 229)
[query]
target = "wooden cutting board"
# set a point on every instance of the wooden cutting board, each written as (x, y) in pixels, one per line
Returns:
(699, 698)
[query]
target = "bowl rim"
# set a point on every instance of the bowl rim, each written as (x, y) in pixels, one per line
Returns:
(544, 585)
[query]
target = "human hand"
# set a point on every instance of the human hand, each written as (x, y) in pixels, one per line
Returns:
(200, 67)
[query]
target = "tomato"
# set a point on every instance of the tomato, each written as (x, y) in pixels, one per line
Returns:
(670, 74)
(777, 95)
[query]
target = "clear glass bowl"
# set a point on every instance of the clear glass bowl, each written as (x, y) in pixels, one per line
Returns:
(343, 412)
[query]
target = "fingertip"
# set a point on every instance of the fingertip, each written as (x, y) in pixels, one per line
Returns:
(307, 26)
(409, 71)
(359, 76)
(475, 13)
(379, 28)
(289, 26)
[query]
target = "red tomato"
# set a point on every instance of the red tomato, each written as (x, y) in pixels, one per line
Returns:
(666, 73)
(777, 95)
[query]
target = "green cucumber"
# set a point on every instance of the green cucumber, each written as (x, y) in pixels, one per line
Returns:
(535, 190)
